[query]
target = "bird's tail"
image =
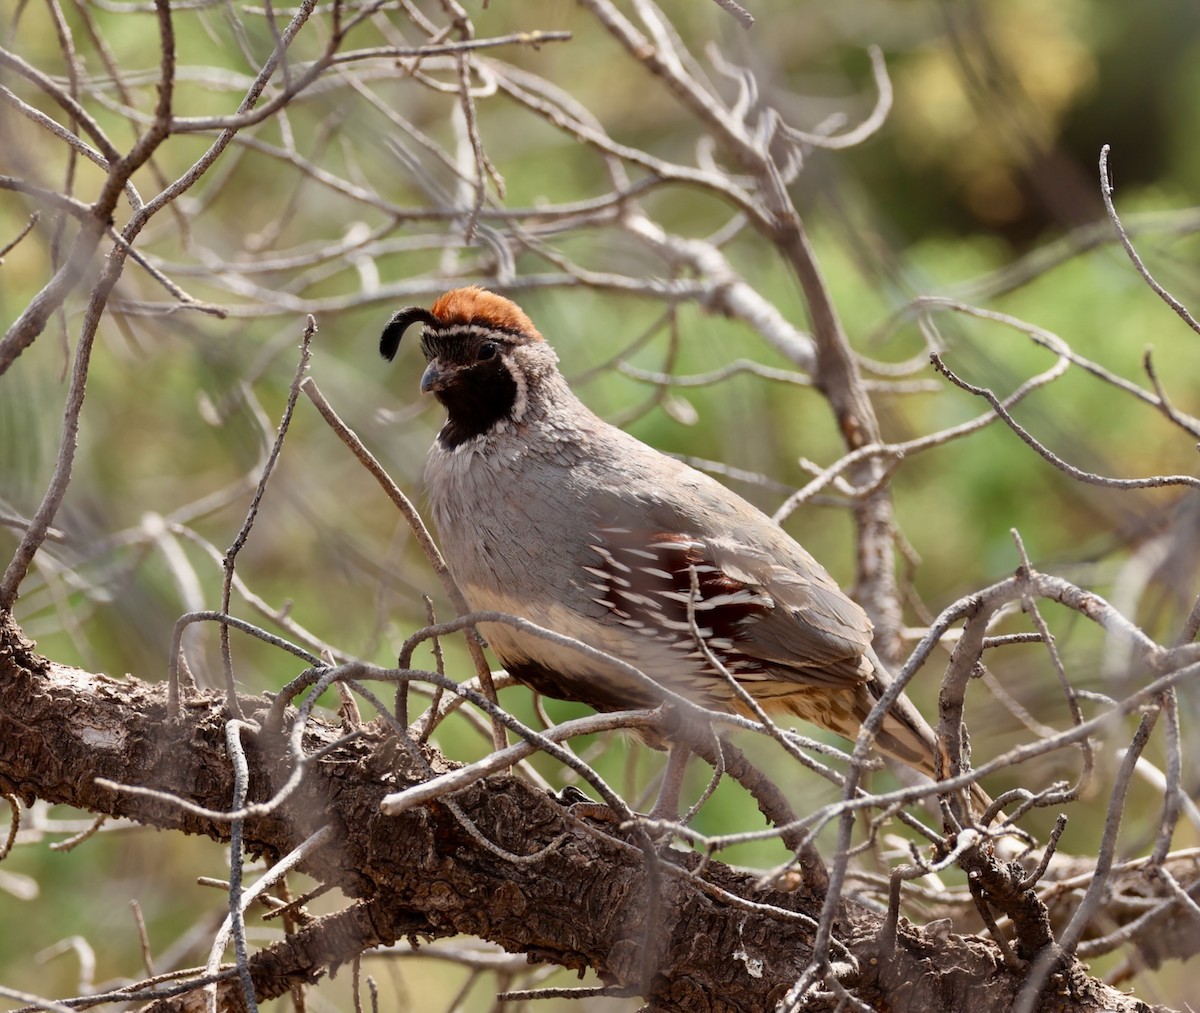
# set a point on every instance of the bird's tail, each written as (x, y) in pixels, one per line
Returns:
(905, 734)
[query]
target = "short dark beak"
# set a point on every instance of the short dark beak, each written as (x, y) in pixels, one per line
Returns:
(431, 379)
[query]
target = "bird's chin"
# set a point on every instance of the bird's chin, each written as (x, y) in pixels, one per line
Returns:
(447, 395)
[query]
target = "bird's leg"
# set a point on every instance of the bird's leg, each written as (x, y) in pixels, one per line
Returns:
(666, 806)
(771, 803)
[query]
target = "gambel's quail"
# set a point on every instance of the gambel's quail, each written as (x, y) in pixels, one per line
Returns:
(549, 513)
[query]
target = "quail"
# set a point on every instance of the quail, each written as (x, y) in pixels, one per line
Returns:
(547, 512)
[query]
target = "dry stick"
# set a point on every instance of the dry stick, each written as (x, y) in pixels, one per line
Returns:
(1031, 880)
(979, 896)
(250, 114)
(300, 764)
(402, 502)
(719, 771)
(1179, 894)
(1173, 797)
(277, 871)
(186, 301)
(1191, 625)
(279, 616)
(427, 722)
(249, 101)
(624, 669)
(1106, 189)
(230, 560)
(143, 937)
(563, 755)
(463, 777)
(1044, 259)
(48, 86)
(146, 990)
(241, 784)
(819, 964)
(483, 165)
(122, 89)
(14, 824)
(726, 291)
(771, 802)
(356, 982)
(743, 16)
(846, 1000)
(891, 802)
(1174, 759)
(439, 665)
(524, 995)
(1154, 482)
(70, 57)
(533, 39)
(71, 843)
(1030, 607)
(868, 127)
(35, 1002)
(838, 378)
(950, 744)
(7, 247)
(39, 524)
(60, 202)
(1187, 423)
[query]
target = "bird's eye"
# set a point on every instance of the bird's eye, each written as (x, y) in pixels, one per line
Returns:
(487, 350)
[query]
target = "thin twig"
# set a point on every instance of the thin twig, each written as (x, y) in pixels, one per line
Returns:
(1106, 190)
(8, 247)
(1154, 482)
(230, 560)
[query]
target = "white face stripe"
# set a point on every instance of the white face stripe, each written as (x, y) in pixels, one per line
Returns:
(469, 330)
(521, 401)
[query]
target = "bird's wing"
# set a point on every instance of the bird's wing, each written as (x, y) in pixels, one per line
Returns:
(814, 633)
(761, 620)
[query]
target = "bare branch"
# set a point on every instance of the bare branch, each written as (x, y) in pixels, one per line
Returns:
(1154, 482)
(1106, 189)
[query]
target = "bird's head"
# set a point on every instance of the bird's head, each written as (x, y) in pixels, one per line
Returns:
(485, 358)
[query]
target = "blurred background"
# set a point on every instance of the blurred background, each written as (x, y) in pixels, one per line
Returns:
(982, 185)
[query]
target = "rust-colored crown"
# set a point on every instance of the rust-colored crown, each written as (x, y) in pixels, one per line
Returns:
(475, 305)
(471, 307)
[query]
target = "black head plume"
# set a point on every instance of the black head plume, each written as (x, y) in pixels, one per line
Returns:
(389, 341)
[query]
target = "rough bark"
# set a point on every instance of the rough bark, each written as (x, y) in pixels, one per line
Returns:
(584, 902)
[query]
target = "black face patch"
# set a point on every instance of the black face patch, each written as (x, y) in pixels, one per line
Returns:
(476, 387)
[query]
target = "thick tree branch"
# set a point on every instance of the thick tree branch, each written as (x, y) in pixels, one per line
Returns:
(721, 941)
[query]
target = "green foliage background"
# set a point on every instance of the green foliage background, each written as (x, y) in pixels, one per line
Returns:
(947, 193)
